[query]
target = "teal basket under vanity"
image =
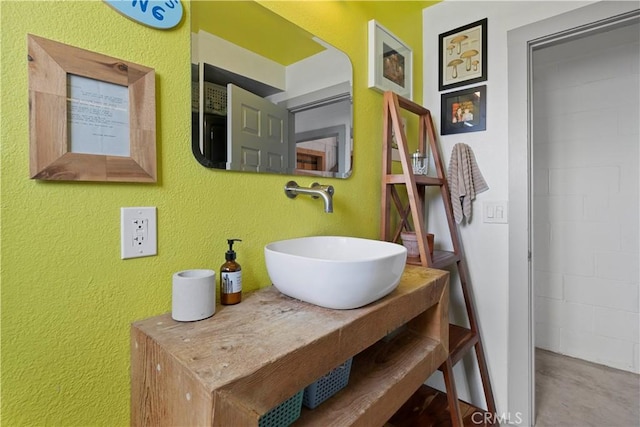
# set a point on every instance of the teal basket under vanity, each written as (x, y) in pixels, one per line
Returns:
(284, 414)
(327, 386)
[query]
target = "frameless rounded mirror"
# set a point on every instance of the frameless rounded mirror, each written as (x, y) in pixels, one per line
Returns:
(267, 96)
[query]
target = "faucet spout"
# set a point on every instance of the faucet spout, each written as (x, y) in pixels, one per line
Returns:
(292, 189)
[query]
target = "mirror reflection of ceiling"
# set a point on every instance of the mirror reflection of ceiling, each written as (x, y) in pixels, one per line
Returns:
(378, 9)
(221, 18)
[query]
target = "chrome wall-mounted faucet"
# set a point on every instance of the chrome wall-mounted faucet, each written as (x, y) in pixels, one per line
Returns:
(292, 189)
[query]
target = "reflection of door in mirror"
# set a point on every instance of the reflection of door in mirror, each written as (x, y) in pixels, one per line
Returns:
(258, 133)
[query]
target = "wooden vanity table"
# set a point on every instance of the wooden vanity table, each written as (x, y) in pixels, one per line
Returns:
(230, 369)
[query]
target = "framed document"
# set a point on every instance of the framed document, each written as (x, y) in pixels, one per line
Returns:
(91, 117)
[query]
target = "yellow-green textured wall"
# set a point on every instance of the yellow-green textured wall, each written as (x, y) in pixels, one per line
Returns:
(67, 299)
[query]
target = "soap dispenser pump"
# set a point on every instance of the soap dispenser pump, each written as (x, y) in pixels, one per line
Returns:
(230, 277)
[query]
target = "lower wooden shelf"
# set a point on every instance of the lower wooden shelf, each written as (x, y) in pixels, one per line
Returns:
(428, 407)
(380, 381)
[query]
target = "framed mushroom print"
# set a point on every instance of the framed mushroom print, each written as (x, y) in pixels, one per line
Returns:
(463, 55)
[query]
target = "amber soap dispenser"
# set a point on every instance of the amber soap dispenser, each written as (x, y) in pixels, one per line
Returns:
(230, 277)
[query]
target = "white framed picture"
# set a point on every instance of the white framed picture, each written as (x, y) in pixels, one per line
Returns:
(390, 62)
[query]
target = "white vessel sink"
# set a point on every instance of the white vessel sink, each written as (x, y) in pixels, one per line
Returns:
(335, 272)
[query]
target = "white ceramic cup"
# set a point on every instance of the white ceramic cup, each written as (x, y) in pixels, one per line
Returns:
(194, 295)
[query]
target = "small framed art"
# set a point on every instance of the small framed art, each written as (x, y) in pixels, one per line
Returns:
(463, 55)
(464, 111)
(91, 117)
(390, 62)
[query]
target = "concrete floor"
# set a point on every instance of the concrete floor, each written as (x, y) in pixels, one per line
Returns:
(573, 392)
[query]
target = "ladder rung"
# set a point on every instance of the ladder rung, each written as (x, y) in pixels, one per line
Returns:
(440, 259)
(420, 179)
(460, 342)
(429, 407)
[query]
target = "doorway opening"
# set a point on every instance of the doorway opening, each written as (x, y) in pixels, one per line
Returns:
(585, 98)
(592, 19)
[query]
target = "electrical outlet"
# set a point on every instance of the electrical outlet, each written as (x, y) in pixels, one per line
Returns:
(138, 232)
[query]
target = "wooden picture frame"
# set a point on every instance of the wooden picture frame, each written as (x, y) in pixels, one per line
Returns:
(390, 62)
(463, 55)
(464, 111)
(58, 121)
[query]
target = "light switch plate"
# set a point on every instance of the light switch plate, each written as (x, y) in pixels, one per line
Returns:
(138, 232)
(495, 212)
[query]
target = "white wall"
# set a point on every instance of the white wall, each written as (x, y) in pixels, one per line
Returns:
(323, 70)
(206, 47)
(485, 245)
(586, 100)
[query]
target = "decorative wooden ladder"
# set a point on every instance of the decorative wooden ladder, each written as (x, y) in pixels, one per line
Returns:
(461, 340)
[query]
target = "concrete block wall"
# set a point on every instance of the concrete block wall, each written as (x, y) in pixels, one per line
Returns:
(586, 198)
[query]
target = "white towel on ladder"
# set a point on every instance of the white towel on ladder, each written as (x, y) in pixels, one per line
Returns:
(465, 181)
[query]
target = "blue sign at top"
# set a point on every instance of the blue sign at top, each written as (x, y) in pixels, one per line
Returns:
(162, 14)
